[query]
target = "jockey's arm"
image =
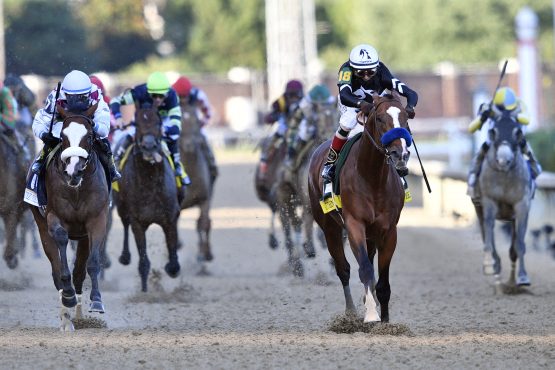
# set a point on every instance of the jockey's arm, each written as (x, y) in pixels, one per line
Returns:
(8, 114)
(204, 106)
(394, 84)
(43, 117)
(172, 125)
(277, 111)
(124, 98)
(522, 116)
(102, 118)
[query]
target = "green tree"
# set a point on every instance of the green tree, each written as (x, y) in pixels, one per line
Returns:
(44, 37)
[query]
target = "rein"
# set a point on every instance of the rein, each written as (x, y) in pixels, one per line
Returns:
(380, 148)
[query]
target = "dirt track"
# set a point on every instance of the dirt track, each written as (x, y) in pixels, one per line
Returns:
(246, 315)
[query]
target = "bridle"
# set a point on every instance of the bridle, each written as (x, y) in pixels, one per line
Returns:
(373, 116)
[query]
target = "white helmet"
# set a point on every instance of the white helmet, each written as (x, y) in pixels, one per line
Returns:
(76, 82)
(364, 56)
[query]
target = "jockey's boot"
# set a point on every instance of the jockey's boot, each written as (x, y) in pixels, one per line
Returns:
(107, 159)
(40, 160)
(173, 147)
(212, 167)
(535, 166)
(474, 171)
(339, 139)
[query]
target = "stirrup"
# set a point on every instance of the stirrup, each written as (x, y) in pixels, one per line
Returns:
(328, 172)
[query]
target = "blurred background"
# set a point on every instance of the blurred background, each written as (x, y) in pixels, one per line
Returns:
(242, 52)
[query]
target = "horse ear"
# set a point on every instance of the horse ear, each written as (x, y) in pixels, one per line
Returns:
(89, 112)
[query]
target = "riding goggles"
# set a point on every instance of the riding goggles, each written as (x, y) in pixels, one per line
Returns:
(158, 96)
(365, 72)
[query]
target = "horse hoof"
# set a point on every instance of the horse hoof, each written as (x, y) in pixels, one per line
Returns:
(125, 259)
(523, 281)
(298, 269)
(12, 262)
(488, 269)
(96, 306)
(205, 257)
(69, 301)
(371, 316)
(172, 269)
(273, 242)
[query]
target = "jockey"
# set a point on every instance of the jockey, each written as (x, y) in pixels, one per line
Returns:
(77, 94)
(157, 93)
(282, 111)
(301, 131)
(504, 101)
(190, 95)
(25, 98)
(359, 77)
(7, 111)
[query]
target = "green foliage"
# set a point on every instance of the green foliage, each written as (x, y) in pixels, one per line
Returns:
(543, 144)
(52, 45)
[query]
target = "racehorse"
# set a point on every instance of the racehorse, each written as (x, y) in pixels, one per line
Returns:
(148, 194)
(266, 185)
(199, 192)
(506, 192)
(12, 187)
(372, 199)
(293, 201)
(77, 209)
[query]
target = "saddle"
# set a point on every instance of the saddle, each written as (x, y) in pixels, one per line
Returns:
(331, 199)
(167, 154)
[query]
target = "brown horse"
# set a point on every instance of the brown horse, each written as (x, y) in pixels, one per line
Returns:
(77, 209)
(266, 186)
(12, 187)
(373, 197)
(148, 194)
(199, 192)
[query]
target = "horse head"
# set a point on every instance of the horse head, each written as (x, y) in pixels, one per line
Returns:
(148, 136)
(505, 137)
(387, 124)
(77, 136)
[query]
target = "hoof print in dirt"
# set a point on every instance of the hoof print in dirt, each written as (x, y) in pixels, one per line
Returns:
(349, 324)
(89, 323)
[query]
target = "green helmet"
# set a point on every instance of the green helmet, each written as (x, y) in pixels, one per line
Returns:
(157, 83)
(319, 94)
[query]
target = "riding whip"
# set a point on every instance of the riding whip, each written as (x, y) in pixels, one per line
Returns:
(420, 161)
(55, 102)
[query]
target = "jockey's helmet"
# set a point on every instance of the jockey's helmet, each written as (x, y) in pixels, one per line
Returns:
(505, 98)
(77, 87)
(157, 84)
(364, 57)
(319, 94)
(294, 89)
(182, 86)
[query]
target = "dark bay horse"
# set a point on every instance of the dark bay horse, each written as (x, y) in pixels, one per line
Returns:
(77, 209)
(293, 202)
(14, 164)
(266, 186)
(199, 192)
(506, 193)
(372, 196)
(148, 194)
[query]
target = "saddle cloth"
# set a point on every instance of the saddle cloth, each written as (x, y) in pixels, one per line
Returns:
(167, 154)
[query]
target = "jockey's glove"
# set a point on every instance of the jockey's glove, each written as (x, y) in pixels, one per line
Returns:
(49, 139)
(410, 111)
(366, 107)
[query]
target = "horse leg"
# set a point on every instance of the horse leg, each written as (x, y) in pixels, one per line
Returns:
(334, 239)
(59, 234)
(383, 290)
(96, 228)
(170, 231)
(49, 247)
(125, 257)
(521, 223)
(513, 255)
(144, 262)
(204, 225)
(491, 265)
(308, 223)
(294, 260)
(357, 240)
(272, 240)
(11, 249)
(79, 273)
